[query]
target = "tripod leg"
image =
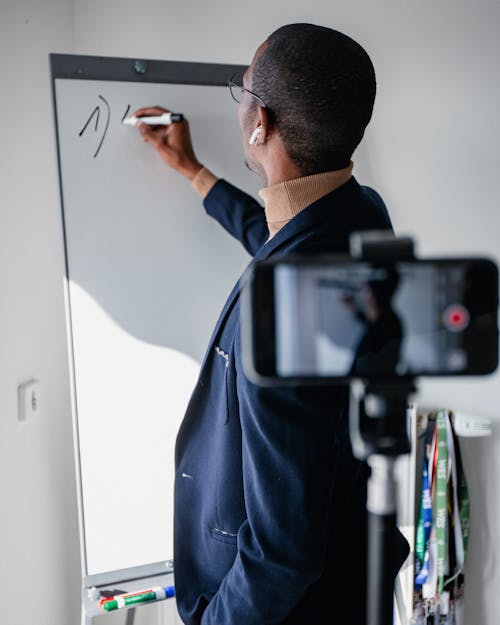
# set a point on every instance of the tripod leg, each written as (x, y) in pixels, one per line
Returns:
(379, 433)
(382, 529)
(381, 538)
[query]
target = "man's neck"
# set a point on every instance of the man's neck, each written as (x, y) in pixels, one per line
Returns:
(281, 175)
(276, 166)
(284, 200)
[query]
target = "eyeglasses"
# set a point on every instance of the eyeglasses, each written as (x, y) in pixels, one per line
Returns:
(238, 90)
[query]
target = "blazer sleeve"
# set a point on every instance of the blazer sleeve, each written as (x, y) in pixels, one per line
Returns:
(238, 213)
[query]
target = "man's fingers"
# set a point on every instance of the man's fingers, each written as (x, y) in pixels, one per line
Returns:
(144, 129)
(172, 142)
(157, 139)
(149, 134)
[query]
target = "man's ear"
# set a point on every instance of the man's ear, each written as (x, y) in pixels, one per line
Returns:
(264, 121)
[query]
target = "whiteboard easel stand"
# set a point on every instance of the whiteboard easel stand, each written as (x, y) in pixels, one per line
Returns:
(129, 580)
(67, 67)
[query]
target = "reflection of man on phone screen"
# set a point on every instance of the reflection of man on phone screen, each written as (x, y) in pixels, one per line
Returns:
(378, 350)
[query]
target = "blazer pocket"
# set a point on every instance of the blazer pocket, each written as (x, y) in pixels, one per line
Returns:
(223, 536)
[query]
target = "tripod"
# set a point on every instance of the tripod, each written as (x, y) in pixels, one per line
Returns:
(379, 434)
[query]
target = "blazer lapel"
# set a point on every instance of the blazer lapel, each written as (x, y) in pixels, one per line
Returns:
(322, 209)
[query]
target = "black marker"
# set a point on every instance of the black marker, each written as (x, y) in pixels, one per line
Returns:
(156, 120)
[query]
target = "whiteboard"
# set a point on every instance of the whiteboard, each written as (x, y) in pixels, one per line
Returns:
(147, 272)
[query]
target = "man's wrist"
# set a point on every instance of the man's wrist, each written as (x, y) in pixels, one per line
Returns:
(204, 181)
(190, 170)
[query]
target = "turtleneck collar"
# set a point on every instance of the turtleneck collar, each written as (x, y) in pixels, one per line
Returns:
(283, 201)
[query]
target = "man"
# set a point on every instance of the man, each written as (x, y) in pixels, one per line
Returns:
(270, 504)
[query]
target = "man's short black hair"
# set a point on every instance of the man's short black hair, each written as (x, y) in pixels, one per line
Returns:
(319, 86)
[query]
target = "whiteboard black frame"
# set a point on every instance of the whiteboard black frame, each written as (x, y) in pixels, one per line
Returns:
(84, 67)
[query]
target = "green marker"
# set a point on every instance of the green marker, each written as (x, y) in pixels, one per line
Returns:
(151, 594)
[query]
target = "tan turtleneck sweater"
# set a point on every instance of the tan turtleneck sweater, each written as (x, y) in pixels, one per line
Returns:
(283, 201)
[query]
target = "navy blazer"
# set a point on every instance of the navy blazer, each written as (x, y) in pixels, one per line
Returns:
(270, 504)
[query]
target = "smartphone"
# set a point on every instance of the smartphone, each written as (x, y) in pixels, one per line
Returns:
(332, 319)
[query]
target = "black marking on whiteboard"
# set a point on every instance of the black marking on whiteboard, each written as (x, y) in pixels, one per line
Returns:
(97, 113)
(126, 112)
(96, 110)
(108, 110)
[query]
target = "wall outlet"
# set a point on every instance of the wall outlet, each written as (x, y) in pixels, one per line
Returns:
(28, 400)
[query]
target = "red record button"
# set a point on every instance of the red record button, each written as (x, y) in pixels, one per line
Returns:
(456, 317)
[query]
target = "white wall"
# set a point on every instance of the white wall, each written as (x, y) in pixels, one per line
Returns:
(39, 551)
(431, 150)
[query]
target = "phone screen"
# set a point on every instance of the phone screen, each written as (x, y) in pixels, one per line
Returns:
(326, 318)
